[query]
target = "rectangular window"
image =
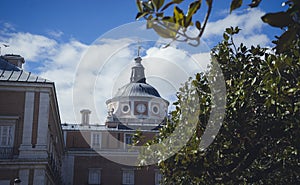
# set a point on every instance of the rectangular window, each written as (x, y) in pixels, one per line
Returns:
(94, 176)
(6, 135)
(96, 140)
(128, 177)
(127, 140)
(158, 177)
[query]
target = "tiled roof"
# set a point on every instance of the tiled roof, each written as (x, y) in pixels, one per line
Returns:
(10, 72)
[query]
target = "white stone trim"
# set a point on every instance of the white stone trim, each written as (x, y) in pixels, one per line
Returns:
(9, 117)
(24, 175)
(25, 86)
(68, 169)
(128, 108)
(28, 119)
(39, 176)
(43, 119)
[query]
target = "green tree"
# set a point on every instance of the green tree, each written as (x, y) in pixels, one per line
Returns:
(260, 135)
(258, 142)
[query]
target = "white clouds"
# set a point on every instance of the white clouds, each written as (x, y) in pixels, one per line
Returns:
(52, 60)
(68, 54)
(55, 33)
(61, 69)
(87, 75)
(250, 22)
(31, 47)
(259, 39)
(96, 75)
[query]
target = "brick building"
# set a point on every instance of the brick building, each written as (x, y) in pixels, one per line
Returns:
(38, 149)
(101, 154)
(31, 142)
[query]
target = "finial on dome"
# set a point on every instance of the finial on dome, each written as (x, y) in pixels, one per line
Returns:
(138, 52)
(137, 72)
(138, 59)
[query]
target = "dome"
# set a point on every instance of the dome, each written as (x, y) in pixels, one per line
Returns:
(137, 89)
(138, 85)
(137, 104)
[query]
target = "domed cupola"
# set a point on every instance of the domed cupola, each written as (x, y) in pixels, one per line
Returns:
(137, 104)
(137, 85)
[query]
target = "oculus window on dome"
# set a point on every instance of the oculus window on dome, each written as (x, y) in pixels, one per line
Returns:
(155, 109)
(125, 108)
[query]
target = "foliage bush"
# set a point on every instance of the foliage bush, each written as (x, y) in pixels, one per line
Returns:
(259, 141)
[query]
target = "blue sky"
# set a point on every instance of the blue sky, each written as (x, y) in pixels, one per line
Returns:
(54, 36)
(85, 20)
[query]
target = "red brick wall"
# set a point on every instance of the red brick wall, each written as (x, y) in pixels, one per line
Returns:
(12, 104)
(77, 139)
(111, 173)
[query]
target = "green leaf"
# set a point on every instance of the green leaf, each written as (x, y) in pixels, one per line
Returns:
(177, 1)
(236, 30)
(140, 15)
(149, 22)
(292, 90)
(159, 14)
(167, 5)
(187, 22)
(193, 8)
(195, 83)
(169, 23)
(229, 30)
(235, 4)
(148, 6)
(225, 36)
(164, 32)
(176, 103)
(278, 19)
(198, 25)
(139, 5)
(158, 4)
(198, 76)
(178, 16)
(209, 3)
(168, 19)
(285, 40)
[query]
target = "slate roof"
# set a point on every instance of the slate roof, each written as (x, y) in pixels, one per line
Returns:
(137, 89)
(12, 73)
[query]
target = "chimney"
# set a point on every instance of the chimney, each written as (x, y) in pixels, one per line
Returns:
(16, 60)
(85, 116)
